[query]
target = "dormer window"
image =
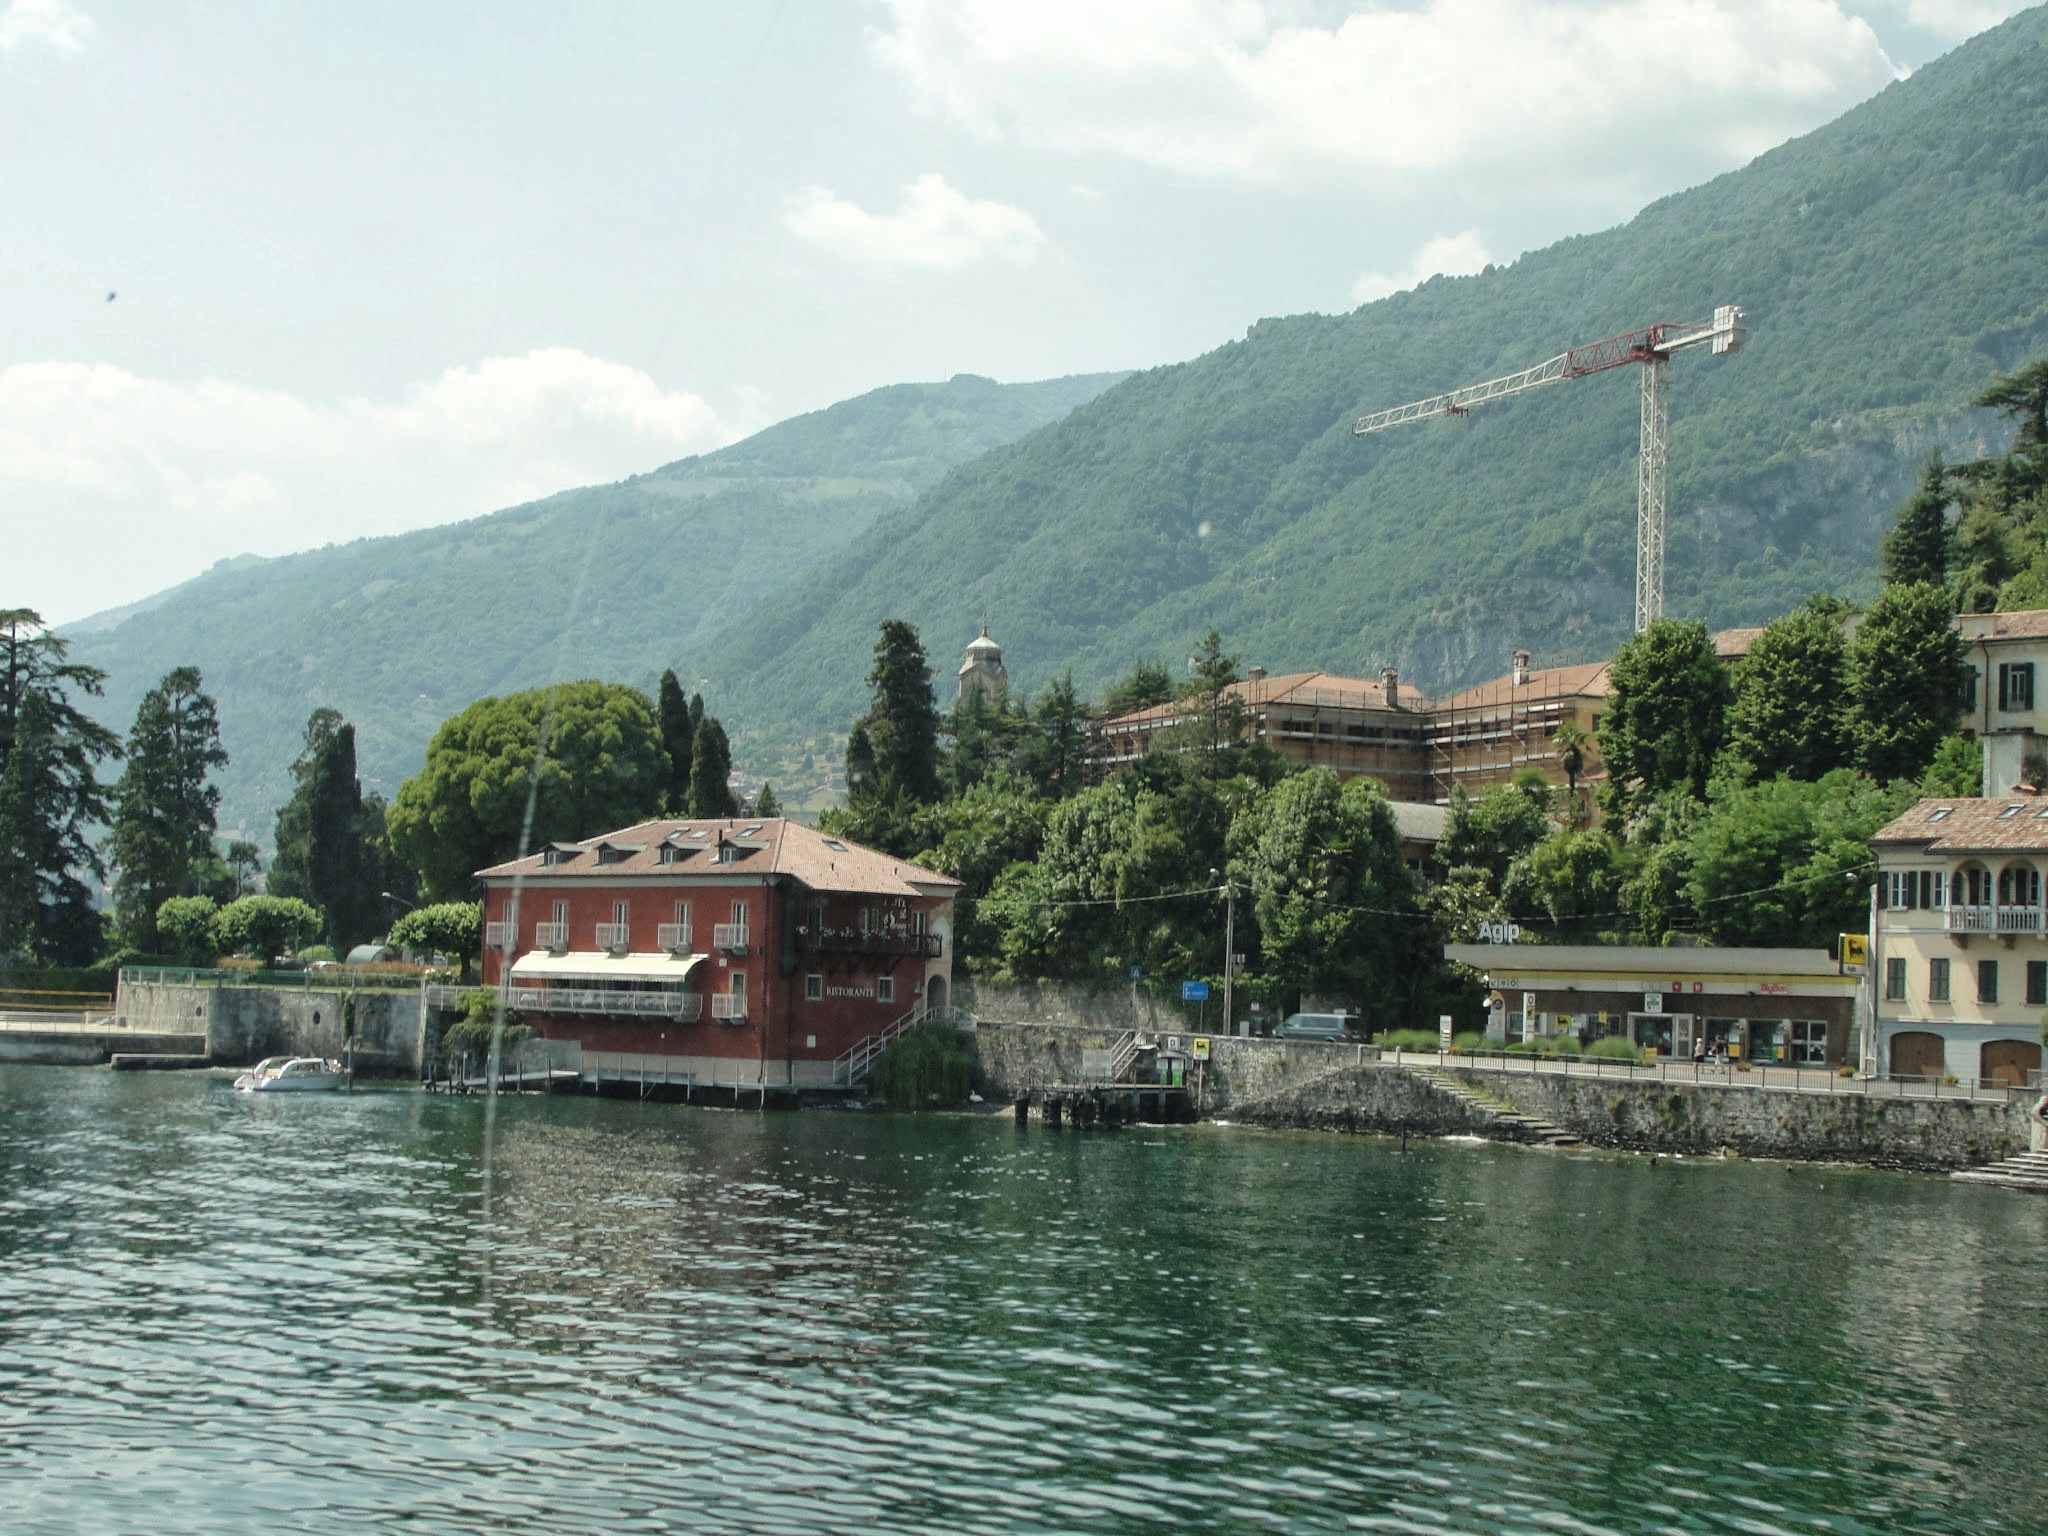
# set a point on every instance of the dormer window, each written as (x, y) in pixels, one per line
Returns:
(560, 853)
(727, 854)
(671, 854)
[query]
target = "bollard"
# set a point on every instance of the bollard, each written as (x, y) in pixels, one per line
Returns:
(1023, 1107)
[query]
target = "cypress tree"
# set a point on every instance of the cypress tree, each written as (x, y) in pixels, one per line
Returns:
(678, 728)
(710, 768)
(164, 806)
(1917, 547)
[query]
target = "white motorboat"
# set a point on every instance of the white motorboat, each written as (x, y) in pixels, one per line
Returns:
(292, 1074)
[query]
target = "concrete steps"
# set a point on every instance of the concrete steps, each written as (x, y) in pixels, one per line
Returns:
(1519, 1126)
(2027, 1171)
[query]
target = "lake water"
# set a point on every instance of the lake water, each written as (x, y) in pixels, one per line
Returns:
(386, 1310)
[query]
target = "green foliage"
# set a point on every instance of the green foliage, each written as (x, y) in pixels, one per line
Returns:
(927, 1066)
(1791, 709)
(765, 803)
(603, 767)
(1409, 1040)
(1785, 862)
(711, 793)
(326, 852)
(1616, 1048)
(1907, 678)
(266, 926)
(484, 1022)
(452, 928)
(1666, 717)
(317, 954)
(1148, 683)
(1917, 548)
(1957, 769)
(186, 925)
(1571, 882)
(165, 803)
(1492, 832)
(678, 733)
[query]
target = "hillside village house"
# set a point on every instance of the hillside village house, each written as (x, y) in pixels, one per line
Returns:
(1961, 957)
(761, 952)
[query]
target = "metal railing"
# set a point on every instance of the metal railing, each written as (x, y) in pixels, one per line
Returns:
(326, 977)
(731, 936)
(855, 1065)
(647, 1003)
(500, 935)
(614, 935)
(728, 1006)
(873, 941)
(672, 936)
(551, 936)
(1123, 1054)
(1777, 1078)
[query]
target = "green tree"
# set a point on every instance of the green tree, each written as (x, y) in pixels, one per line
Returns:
(765, 803)
(1665, 717)
(1917, 547)
(1906, 677)
(266, 926)
(1490, 833)
(1791, 711)
(1056, 753)
(1785, 862)
(678, 734)
(1148, 683)
(1570, 883)
(50, 796)
(245, 864)
(579, 758)
(452, 928)
(1330, 893)
(1957, 769)
(711, 772)
(322, 852)
(186, 923)
(902, 722)
(164, 802)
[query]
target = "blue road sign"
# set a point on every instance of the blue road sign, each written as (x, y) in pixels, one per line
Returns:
(1194, 991)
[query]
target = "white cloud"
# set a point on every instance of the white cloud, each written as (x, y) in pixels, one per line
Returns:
(1955, 20)
(1450, 255)
(157, 478)
(934, 226)
(1241, 90)
(56, 24)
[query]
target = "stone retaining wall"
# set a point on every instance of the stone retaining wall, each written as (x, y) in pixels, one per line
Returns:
(245, 1024)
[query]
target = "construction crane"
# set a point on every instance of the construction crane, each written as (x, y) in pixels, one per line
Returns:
(1651, 346)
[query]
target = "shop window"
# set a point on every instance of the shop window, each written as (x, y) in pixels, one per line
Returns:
(1894, 980)
(814, 988)
(2037, 982)
(1937, 981)
(1987, 981)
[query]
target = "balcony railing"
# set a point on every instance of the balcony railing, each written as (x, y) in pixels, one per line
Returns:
(731, 936)
(725, 1005)
(1994, 920)
(500, 935)
(673, 937)
(852, 941)
(648, 1004)
(554, 936)
(614, 935)
(2019, 919)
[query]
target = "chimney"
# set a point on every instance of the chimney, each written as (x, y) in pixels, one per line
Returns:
(1256, 674)
(1521, 668)
(1390, 685)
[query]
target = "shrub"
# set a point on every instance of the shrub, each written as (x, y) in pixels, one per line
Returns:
(472, 1032)
(1470, 1042)
(928, 1064)
(1615, 1048)
(1409, 1040)
(313, 953)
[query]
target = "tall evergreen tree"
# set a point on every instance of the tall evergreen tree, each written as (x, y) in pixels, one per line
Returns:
(50, 795)
(1906, 677)
(710, 769)
(164, 804)
(1917, 547)
(678, 730)
(1056, 754)
(902, 723)
(321, 854)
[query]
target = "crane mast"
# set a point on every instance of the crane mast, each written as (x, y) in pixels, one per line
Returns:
(1651, 346)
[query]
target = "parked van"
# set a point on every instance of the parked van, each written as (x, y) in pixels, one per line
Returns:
(1317, 1026)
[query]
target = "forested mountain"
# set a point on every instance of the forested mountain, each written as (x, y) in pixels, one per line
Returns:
(1891, 265)
(613, 582)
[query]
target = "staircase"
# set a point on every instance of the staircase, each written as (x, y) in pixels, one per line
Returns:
(2027, 1171)
(1518, 1126)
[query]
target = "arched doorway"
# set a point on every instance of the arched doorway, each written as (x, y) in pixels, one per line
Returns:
(1916, 1053)
(2009, 1062)
(935, 994)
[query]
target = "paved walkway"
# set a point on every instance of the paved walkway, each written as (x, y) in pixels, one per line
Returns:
(1817, 1080)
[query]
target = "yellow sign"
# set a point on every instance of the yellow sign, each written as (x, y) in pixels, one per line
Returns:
(1855, 950)
(1201, 1048)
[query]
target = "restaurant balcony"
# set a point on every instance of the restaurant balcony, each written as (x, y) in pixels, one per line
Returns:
(645, 1003)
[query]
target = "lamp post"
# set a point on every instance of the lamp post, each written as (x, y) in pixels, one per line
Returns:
(1229, 949)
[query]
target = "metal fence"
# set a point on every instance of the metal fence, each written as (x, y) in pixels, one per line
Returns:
(389, 976)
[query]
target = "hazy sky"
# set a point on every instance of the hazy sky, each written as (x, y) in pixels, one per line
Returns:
(280, 274)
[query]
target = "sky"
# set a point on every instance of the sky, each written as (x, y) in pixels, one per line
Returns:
(277, 274)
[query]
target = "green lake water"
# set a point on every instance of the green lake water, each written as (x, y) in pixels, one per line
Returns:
(385, 1311)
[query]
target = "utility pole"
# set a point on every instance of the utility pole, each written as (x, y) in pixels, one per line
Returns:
(1229, 951)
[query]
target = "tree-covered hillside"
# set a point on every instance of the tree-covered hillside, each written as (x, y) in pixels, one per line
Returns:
(1890, 263)
(615, 581)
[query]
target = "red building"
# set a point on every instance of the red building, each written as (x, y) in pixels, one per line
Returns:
(758, 952)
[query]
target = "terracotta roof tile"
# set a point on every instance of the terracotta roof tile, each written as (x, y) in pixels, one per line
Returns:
(2006, 824)
(775, 845)
(1308, 690)
(2025, 624)
(1588, 680)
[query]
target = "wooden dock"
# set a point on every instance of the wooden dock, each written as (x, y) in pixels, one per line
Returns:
(1107, 1105)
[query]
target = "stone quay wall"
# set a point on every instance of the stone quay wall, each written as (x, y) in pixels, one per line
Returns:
(244, 1024)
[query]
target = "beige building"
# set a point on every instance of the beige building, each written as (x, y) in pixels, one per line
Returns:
(1960, 954)
(2008, 651)
(1488, 734)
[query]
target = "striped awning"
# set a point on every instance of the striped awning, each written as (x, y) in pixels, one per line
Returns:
(649, 969)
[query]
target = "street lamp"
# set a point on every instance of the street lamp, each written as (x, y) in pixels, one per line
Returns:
(1229, 946)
